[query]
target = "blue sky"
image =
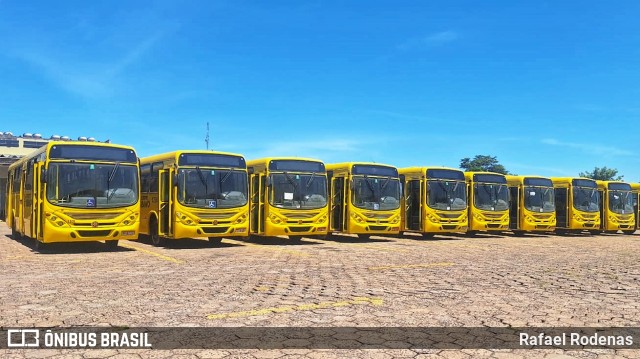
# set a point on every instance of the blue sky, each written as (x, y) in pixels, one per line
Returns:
(550, 88)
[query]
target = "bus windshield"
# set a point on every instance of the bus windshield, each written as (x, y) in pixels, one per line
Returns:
(446, 195)
(376, 193)
(539, 199)
(621, 202)
(298, 190)
(92, 185)
(586, 199)
(491, 196)
(206, 187)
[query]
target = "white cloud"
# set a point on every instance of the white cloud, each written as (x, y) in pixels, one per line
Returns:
(590, 148)
(85, 78)
(434, 39)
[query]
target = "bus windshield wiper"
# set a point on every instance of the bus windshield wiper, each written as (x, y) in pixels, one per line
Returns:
(225, 177)
(313, 174)
(111, 176)
(373, 191)
(386, 182)
(204, 182)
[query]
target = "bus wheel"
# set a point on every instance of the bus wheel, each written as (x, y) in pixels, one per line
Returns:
(629, 231)
(364, 236)
(214, 241)
(610, 232)
(472, 233)
(427, 235)
(156, 239)
(518, 233)
(111, 245)
(595, 231)
(295, 238)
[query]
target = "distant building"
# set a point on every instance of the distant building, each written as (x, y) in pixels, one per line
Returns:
(13, 147)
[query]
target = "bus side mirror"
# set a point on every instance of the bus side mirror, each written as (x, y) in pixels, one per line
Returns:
(43, 175)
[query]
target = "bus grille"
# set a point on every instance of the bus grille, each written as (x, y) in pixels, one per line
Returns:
(377, 228)
(93, 215)
(298, 215)
(449, 215)
(299, 229)
(213, 230)
(102, 233)
(493, 225)
(218, 215)
(449, 226)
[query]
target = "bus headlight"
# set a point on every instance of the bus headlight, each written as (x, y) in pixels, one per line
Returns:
(276, 219)
(357, 218)
(241, 219)
(322, 219)
(395, 220)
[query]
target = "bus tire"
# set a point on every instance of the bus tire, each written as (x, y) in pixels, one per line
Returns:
(518, 233)
(156, 239)
(364, 236)
(472, 233)
(595, 231)
(112, 244)
(427, 235)
(295, 238)
(629, 231)
(610, 232)
(215, 241)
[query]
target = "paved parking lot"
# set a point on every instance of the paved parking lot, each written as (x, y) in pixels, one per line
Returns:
(489, 280)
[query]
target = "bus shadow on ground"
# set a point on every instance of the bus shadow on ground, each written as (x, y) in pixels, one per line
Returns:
(276, 241)
(194, 243)
(68, 247)
(345, 238)
(433, 237)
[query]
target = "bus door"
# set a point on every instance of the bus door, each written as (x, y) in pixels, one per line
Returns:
(27, 212)
(413, 207)
(338, 201)
(257, 203)
(562, 207)
(514, 207)
(603, 198)
(38, 199)
(165, 203)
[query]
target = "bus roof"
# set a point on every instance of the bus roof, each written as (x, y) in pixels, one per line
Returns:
(265, 160)
(621, 185)
(47, 147)
(511, 179)
(423, 169)
(351, 164)
(175, 154)
(568, 179)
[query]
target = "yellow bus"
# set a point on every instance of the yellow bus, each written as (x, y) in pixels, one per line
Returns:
(364, 199)
(488, 202)
(531, 204)
(190, 194)
(616, 207)
(577, 204)
(434, 201)
(288, 196)
(75, 192)
(635, 188)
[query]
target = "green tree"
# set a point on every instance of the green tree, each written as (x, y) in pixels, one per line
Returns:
(602, 174)
(483, 163)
